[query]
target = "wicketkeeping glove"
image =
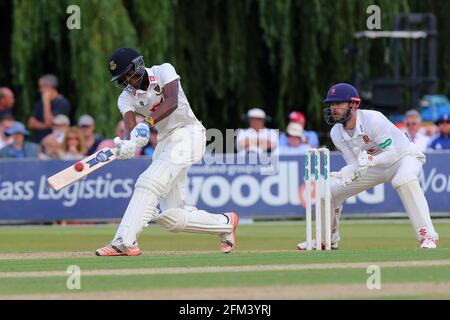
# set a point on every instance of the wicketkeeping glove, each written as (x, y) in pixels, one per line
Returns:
(343, 177)
(365, 161)
(127, 148)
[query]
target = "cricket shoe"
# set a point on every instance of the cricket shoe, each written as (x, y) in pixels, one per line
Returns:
(117, 248)
(228, 240)
(302, 245)
(425, 241)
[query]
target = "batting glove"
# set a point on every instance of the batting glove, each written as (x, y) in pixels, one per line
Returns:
(127, 148)
(140, 135)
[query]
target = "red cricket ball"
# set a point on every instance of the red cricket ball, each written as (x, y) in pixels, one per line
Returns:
(79, 166)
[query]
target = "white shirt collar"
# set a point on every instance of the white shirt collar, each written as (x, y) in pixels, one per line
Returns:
(359, 129)
(152, 80)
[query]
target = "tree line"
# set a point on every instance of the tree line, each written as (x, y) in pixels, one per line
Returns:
(232, 55)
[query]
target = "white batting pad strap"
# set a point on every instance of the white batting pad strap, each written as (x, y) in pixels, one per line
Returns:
(149, 214)
(417, 208)
(157, 177)
(134, 219)
(200, 221)
(149, 186)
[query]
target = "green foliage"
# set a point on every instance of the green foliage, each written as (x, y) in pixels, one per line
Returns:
(232, 55)
(105, 27)
(36, 42)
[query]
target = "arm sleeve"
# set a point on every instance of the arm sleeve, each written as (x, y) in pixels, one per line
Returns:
(382, 138)
(125, 103)
(167, 74)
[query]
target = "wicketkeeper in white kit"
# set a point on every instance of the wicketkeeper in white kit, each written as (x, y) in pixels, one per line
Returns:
(375, 152)
(156, 93)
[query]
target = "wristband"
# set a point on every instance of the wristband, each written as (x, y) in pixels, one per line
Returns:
(150, 120)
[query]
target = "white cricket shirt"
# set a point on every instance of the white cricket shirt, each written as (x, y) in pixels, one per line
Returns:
(144, 102)
(375, 134)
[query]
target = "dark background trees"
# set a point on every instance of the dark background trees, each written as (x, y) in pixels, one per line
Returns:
(231, 54)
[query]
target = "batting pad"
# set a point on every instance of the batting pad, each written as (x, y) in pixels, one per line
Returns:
(149, 187)
(193, 221)
(416, 206)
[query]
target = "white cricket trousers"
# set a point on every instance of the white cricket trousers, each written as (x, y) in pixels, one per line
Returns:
(404, 177)
(165, 182)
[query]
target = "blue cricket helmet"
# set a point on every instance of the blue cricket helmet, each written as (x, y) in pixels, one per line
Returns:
(341, 92)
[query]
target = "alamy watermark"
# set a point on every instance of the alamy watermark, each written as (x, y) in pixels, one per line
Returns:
(374, 280)
(73, 22)
(73, 281)
(373, 22)
(258, 149)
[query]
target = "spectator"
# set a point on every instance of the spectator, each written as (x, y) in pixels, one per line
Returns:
(73, 146)
(60, 125)
(50, 149)
(413, 121)
(6, 121)
(296, 141)
(120, 132)
(87, 126)
(151, 145)
(257, 138)
(19, 148)
(311, 136)
(51, 104)
(6, 101)
(442, 142)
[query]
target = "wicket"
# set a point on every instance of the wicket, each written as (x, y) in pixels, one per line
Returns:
(313, 168)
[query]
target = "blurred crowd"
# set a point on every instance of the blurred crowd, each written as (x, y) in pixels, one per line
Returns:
(427, 137)
(49, 133)
(295, 140)
(259, 139)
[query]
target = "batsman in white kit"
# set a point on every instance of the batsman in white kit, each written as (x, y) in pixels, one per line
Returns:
(375, 152)
(156, 93)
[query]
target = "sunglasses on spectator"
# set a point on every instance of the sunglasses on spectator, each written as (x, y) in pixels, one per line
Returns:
(411, 124)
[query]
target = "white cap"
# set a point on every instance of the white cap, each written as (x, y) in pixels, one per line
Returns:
(256, 113)
(295, 129)
(61, 119)
(86, 120)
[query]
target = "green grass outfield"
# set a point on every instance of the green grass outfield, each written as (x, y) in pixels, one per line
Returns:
(265, 264)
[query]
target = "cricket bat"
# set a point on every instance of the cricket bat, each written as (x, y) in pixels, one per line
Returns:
(82, 168)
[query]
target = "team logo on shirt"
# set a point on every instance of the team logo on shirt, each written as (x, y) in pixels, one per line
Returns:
(366, 139)
(142, 103)
(158, 90)
(112, 65)
(152, 79)
(385, 144)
